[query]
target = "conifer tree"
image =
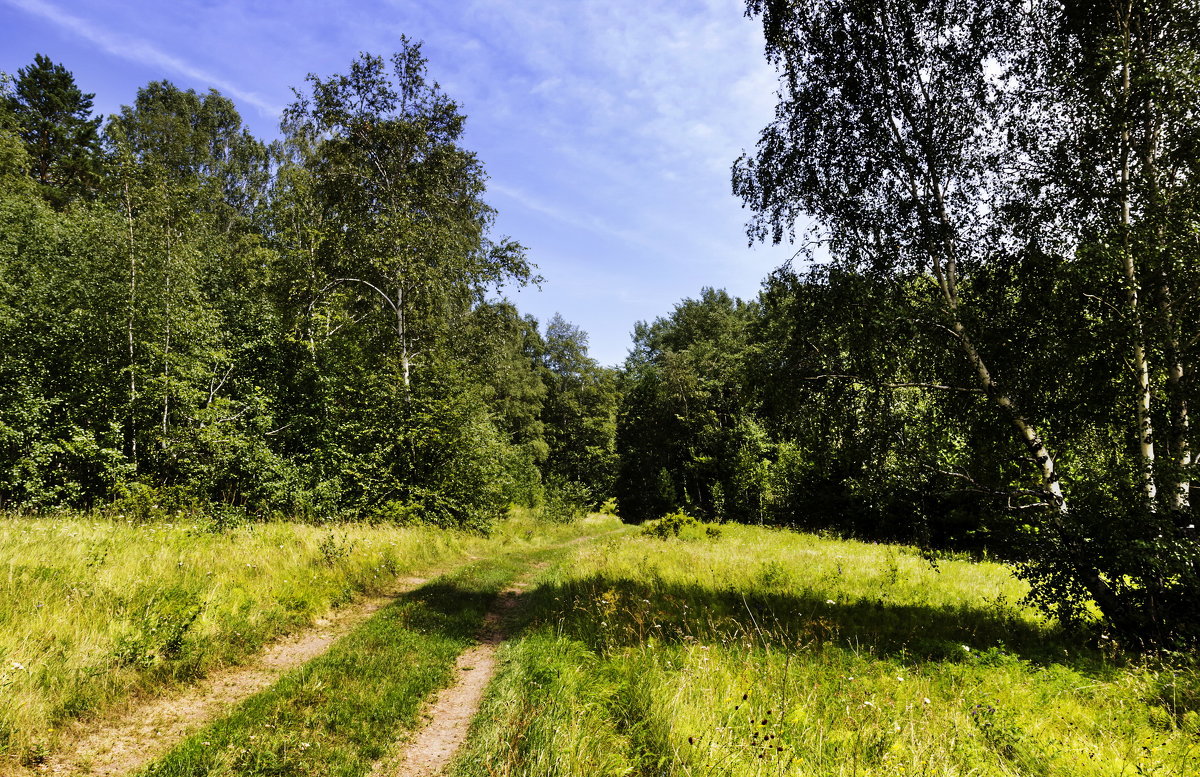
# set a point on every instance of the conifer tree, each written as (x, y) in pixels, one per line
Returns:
(54, 119)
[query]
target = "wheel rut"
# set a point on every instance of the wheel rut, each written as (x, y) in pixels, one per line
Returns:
(144, 729)
(448, 717)
(148, 728)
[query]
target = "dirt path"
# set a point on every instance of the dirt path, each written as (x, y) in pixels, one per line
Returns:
(147, 729)
(449, 716)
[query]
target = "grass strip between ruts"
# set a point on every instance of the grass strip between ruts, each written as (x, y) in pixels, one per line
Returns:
(338, 713)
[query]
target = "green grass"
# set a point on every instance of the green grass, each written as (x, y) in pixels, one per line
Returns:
(93, 611)
(337, 714)
(343, 711)
(772, 653)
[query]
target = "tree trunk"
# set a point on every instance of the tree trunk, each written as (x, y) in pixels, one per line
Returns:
(405, 358)
(130, 421)
(166, 367)
(1141, 364)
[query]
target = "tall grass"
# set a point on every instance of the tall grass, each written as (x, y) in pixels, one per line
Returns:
(772, 653)
(92, 611)
(340, 712)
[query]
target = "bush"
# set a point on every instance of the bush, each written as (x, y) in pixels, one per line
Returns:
(680, 525)
(566, 502)
(1146, 560)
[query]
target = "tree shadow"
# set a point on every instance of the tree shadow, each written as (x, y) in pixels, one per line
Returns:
(614, 612)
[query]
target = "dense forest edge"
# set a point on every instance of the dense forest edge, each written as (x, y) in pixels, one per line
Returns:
(986, 342)
(196, 320)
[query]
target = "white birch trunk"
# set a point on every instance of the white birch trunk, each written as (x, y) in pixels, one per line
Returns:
(405, 360)
(166, 368)
(133, 284)
(1141, 364)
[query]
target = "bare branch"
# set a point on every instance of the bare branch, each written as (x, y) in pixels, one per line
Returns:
(212, 390)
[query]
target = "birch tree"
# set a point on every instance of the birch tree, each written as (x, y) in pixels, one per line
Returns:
(897, 133)
(1118, 154)
(406, 225)
(886, 135)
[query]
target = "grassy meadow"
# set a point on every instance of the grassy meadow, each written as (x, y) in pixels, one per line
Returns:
(763, 652)
(731, 651)
(94, 611)
(342, 711)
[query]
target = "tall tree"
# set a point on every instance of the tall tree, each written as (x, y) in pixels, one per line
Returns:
(886, 135)
(686, 436)
(54, 119)
(387, 254)
(1117, 141)
(187, 179)
(579, 412)
(406, 224)
(891, 132)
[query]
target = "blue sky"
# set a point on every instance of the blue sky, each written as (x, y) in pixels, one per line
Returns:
(607, 127)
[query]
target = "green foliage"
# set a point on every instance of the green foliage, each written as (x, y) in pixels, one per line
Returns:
(579, 412)
(249, 331)
(566, 502)
(990, 188)
(686, 436)
(1151, 558)
(52, 116)
(680, 525)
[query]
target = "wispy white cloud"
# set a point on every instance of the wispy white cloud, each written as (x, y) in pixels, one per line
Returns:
(608, 126)
(572, 217)
(140, 51)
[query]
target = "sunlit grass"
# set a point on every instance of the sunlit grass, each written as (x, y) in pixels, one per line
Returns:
(340, 712)
(772, 653)
(92, 611)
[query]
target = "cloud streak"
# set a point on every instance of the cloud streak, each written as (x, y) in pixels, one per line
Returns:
(140, 52)
(608, 127)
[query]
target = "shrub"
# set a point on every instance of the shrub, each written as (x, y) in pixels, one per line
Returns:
(680, 525)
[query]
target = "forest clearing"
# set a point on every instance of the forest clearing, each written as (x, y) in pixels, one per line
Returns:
(736, 651)
(293, 481)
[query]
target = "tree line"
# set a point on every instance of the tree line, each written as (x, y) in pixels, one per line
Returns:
(987, 341)
(311, 327)
(993, 340)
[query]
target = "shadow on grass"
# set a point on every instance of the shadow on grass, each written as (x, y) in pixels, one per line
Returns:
(337, 713)
(610, 612)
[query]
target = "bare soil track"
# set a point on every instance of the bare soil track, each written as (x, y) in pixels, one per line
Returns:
(147, 728)
(448, 718)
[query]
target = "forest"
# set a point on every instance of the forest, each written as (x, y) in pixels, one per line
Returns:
(924, 505)
(985, 342)
(195, 318)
